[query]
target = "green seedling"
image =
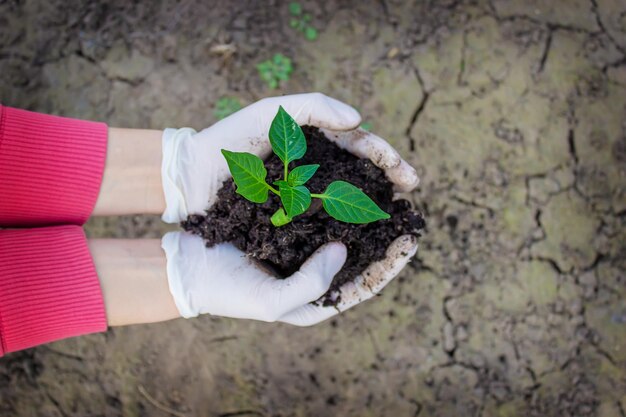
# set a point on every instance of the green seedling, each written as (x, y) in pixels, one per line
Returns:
(301, 21)
(226, 106)
(275, 70)
(341, 200)
(366, 126)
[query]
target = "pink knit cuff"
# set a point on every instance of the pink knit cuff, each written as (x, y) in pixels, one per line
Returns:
(49, 289)
(50, 168)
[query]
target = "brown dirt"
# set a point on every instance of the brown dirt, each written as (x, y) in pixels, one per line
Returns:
(247, 225)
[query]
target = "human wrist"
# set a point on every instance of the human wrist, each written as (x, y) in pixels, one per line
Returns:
(133, 278)
(131, 182)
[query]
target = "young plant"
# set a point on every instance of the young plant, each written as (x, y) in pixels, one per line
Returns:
(275, 70)
(366, 126)
(300, 21)
(225, 106)
(341, 200)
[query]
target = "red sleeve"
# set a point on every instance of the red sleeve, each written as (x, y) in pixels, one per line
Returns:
(50, 168)
(49, 289)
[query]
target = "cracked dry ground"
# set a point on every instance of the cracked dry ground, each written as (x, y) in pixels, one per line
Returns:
(514, 114)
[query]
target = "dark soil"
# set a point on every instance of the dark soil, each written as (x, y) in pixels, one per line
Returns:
(247, 225)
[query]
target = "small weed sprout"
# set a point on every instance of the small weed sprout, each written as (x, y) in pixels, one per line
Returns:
(341, 200)
(365, 125)
(275, 70)
(301, 21)
(225, 106)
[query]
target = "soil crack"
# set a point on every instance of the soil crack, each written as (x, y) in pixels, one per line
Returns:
(572, 145)
(545, 53)
(241, 413)
(418, 110)
(549, 261)
(596, 13)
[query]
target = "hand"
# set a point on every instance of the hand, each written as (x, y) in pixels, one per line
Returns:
(193, 167)
(196, 186)
(378, 274)
(222, 281)
(369, 283)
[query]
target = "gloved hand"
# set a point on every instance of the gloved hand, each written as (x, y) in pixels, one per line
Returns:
(365, 286)
(193, 168)
(193, 171)
(224, 282)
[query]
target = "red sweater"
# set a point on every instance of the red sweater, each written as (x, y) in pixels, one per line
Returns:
(50, 173)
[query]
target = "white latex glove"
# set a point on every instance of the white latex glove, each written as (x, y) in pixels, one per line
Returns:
(222, 281)
(193, 171)
(364, 287)
(193, 168)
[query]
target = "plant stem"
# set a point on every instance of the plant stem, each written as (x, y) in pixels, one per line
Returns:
(322, 196)
(280, 218)
(274, 190)
(286, 170)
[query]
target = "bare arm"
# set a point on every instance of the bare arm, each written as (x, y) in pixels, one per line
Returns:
(133, 279)
(131, 183)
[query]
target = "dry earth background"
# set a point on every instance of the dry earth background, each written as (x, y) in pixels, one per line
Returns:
(514, 113)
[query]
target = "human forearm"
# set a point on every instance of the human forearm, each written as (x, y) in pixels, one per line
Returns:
(131, 182)
(133, 279)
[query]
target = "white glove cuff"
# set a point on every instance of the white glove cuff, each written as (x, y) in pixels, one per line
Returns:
(171, 245)
(175, 206)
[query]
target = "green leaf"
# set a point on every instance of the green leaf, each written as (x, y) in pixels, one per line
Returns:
(300, 175)
(281, 75)
(264, 66)
(273, 70)
(282, 64)
(295, 199)
(280, 59)
(310, 33)
(347, 203)
(226, 106)
(293, 23)
(295, 8)
(249, 174)
(286, 137)
(280, 218)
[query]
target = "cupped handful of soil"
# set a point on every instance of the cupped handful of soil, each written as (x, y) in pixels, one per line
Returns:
(247, 225)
